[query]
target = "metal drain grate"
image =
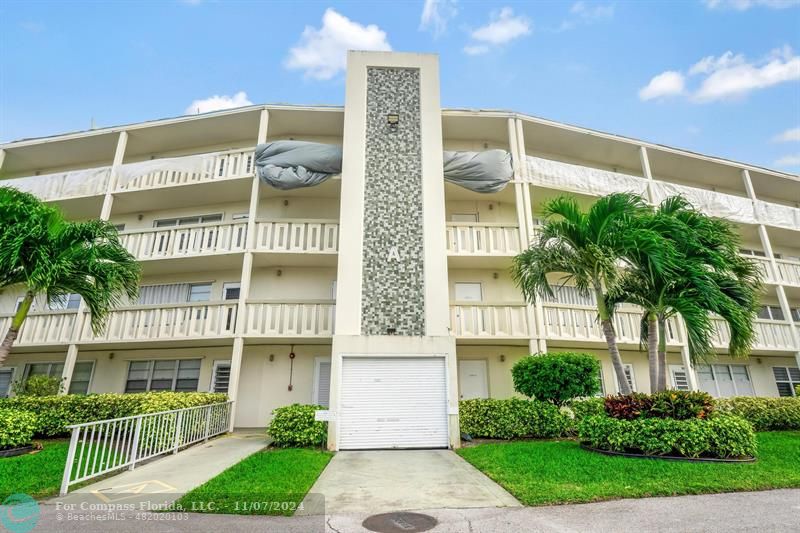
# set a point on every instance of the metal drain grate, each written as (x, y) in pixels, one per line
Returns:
(399, 522)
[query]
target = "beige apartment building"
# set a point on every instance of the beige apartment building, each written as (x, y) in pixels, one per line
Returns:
(382, 293)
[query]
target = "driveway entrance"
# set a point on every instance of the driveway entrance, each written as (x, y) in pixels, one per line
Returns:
(396, 480)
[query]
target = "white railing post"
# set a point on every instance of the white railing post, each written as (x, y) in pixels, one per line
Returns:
(73, 444)
(135, 444)
(178, 423)
(208, 423)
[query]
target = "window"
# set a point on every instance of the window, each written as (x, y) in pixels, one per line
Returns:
(240, 216)
(220, 377)
(179, 375)
(464, 217)
(231, 291)
(183, 221)
(67, 301)
(81, 374)
(468, 292)
(322, 381)
(796, 314)
(725, 380)
(6, 377)
(771, 312)
(754, 253)
(680, 379)
(786, 379)
(119, 227)
(602, 383)
(630, 376)
(199, 292)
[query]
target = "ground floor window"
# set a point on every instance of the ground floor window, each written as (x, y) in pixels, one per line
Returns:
(680, 378)
(220, 377)
(322, 381)
(786, 379)
(81, 374)
(629, 376)
(6, 377)
(179, 375)
(725, 380)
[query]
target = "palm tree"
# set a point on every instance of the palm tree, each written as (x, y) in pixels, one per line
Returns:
(52, 257)
(589, 249)
(709, 278)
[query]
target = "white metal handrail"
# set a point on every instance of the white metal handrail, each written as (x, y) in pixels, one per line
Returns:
(97, 448)
(179, 241)
(788, 271)
(477, 319)
(477, 238)
(288, 235)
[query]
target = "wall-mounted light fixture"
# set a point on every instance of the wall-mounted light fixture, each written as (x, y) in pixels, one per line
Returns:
(502, 358)
(279, 272)
(495, 275)
(285, 203)
(111, 355)
(271, 357)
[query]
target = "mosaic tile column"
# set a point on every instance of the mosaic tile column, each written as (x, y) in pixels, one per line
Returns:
(393, 294)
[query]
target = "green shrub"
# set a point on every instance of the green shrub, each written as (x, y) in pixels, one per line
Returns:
(677, 405)
(38, 385)
(557, 377)
(766, 414)
(512, 418)
(587, 407)
(294, 425)
(16, 428)
(720, 436)
(55, 413)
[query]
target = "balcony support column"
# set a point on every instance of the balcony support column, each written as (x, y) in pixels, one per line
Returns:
(2, 157)
(119, 156)
(691, 372)
(69, 366)
(646, 172)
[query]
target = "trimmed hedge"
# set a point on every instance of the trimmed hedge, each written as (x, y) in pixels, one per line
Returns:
(294, 425)
(512, 419)
(16, 428)
(55, 413)
(557, 377)
(766, 414)
(721, 436)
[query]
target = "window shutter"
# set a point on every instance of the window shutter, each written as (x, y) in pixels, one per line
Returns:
(680, 379)
(222, 375)
(630, 377)
(324, 383)
(5, 382)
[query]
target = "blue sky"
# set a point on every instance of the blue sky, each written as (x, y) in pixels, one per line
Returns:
(716, 76)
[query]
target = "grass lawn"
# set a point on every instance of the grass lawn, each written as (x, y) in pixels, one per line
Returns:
(36, 474)
(551, 472)
(270, 482)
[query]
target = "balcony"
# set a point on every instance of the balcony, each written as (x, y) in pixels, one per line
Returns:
(579, 323)
(764, 267)
(166, 322)
(43, 328)
(281, 240)
(481, 245)
(269, 318)
(182, 241)
(788, 272)
(490, 321)
(771, 335)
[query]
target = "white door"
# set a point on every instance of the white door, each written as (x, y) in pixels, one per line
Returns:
(472, 382)
(393, 402)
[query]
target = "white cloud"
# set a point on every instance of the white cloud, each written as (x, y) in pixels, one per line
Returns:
(476, 50)
(669, 83)
(792, 160)
(744, 5)
(322, 53)
(436, 14)
(733, 77)
(790, 135)
(502, 28)
(710, 63)
(216, 103)
(586, 13)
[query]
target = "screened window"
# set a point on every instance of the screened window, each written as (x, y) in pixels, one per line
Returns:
(183, 221)
(67, 301)
(322, 381)
(221, 376)
(771, 312)
(680, 379)
(786, 379)
(81, 374)
(755, 253)
(725, 380)
(200, 292)
(180, 375)
(6, 377)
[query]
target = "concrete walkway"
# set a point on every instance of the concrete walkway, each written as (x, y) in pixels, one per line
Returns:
(775, 511)
(394, 480)
(166, 479)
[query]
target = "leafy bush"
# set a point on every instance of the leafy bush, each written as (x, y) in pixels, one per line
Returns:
(16, 428)
(55, 413)
(294, 425)
(720, 436)
(557, 377)
(678, 405)
(766, 414)
(511, 418)
(586, 407)
(38, 385)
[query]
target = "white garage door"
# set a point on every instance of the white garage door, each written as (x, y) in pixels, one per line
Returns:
(393, 402)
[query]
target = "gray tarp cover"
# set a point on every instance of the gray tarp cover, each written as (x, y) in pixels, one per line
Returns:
(293, 164)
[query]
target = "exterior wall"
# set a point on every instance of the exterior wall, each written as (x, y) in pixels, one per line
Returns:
(294, 283)
(501, 289)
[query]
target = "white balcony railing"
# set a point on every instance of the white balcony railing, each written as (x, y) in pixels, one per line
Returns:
(765, 266)
(172, 171)
(788, 271)
(568, 322)
(770, 335)
(61, 185)
(267, 318)
(321, 236)
(166, 322)
(49, 327)
(465, 238)
(180, 241)
(489, 320)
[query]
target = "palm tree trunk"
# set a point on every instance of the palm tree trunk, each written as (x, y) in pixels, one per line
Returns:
(16, 324)
(652, 351)
(611, 341)
(662, 354)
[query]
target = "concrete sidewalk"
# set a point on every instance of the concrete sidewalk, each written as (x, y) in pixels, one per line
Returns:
(166, 479)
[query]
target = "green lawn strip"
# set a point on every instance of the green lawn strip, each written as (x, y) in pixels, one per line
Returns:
(269, 482)
(553, 472)
(36, 474)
